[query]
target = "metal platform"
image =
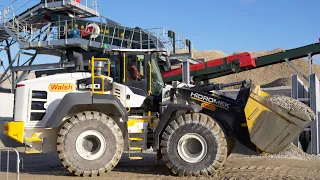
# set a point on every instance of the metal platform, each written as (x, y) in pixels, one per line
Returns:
(59, 34)
(84, 9)
(25, 25)
(52, 27)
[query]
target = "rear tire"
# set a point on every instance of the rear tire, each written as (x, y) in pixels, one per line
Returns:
(193, 145)
(90, 144)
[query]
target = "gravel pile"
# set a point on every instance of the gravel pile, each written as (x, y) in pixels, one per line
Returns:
(294, 152)
(291, 152)
(291, 104)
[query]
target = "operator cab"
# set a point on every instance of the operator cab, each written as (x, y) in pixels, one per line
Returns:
(138, 69)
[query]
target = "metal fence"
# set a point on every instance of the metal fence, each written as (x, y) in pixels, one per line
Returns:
(7, 151)
(308, 140)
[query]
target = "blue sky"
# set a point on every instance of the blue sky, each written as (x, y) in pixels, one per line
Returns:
(228, 25)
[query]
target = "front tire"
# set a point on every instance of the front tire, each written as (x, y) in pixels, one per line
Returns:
(193, 145)
(90, 144)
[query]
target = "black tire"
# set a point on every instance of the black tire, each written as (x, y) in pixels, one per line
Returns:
(205, 127)
(112, 143)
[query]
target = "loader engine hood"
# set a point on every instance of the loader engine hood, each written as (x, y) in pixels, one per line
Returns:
(42, 82)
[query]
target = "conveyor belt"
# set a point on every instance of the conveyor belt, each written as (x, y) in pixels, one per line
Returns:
(240, 62)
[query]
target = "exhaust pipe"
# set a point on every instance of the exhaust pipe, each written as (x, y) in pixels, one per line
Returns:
(77, 58)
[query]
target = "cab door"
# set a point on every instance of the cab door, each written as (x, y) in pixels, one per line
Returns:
(135, 72)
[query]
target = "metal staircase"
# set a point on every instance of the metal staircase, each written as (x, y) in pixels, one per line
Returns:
(137, 126)
(10, 26)
(34, 144)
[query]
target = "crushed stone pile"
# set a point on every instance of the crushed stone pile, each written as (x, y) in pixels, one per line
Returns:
(291, 152)
(291, 104)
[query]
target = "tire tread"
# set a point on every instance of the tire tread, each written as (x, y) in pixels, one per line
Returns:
(208, 122)
(88, 116)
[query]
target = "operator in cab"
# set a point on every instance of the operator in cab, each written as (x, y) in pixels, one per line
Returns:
(134, 73)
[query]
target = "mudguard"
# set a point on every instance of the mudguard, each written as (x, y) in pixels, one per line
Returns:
(72, 99)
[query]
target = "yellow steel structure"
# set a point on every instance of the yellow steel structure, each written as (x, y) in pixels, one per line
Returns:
(15, 130)
(254, 108)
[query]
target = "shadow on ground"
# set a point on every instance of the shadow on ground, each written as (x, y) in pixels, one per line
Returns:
(50, 164)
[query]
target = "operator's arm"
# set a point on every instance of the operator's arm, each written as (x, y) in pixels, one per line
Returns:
(131, 73)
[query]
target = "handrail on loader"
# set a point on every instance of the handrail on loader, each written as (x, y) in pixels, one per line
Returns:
(102, 77)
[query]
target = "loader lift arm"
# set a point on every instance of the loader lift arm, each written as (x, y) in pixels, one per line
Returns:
(239, 62)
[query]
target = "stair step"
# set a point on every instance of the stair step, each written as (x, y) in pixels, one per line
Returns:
(34, 139)
(135, 148)
(33, 152)
(136, 131)
(135, 157)
(136, 138)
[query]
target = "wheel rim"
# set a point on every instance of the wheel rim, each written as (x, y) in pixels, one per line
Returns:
(192, 147)
(90, 145)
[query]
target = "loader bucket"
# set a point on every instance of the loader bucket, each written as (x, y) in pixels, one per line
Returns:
(271, 127)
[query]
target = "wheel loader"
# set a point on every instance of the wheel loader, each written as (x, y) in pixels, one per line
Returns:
(118, 104)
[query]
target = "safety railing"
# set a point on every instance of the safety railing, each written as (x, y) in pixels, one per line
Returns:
(163, 37)
(94, 31)
(106, 34)
(18, 27)
(92, 4)
(22, 29)
(7, 151)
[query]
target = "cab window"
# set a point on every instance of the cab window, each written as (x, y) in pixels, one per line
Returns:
(135, 67)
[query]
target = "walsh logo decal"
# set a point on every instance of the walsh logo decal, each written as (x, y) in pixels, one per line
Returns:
(61, 87)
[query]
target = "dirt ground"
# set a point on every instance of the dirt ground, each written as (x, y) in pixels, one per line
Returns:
(48, 167)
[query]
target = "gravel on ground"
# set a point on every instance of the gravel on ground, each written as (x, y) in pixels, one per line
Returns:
(48, 167)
